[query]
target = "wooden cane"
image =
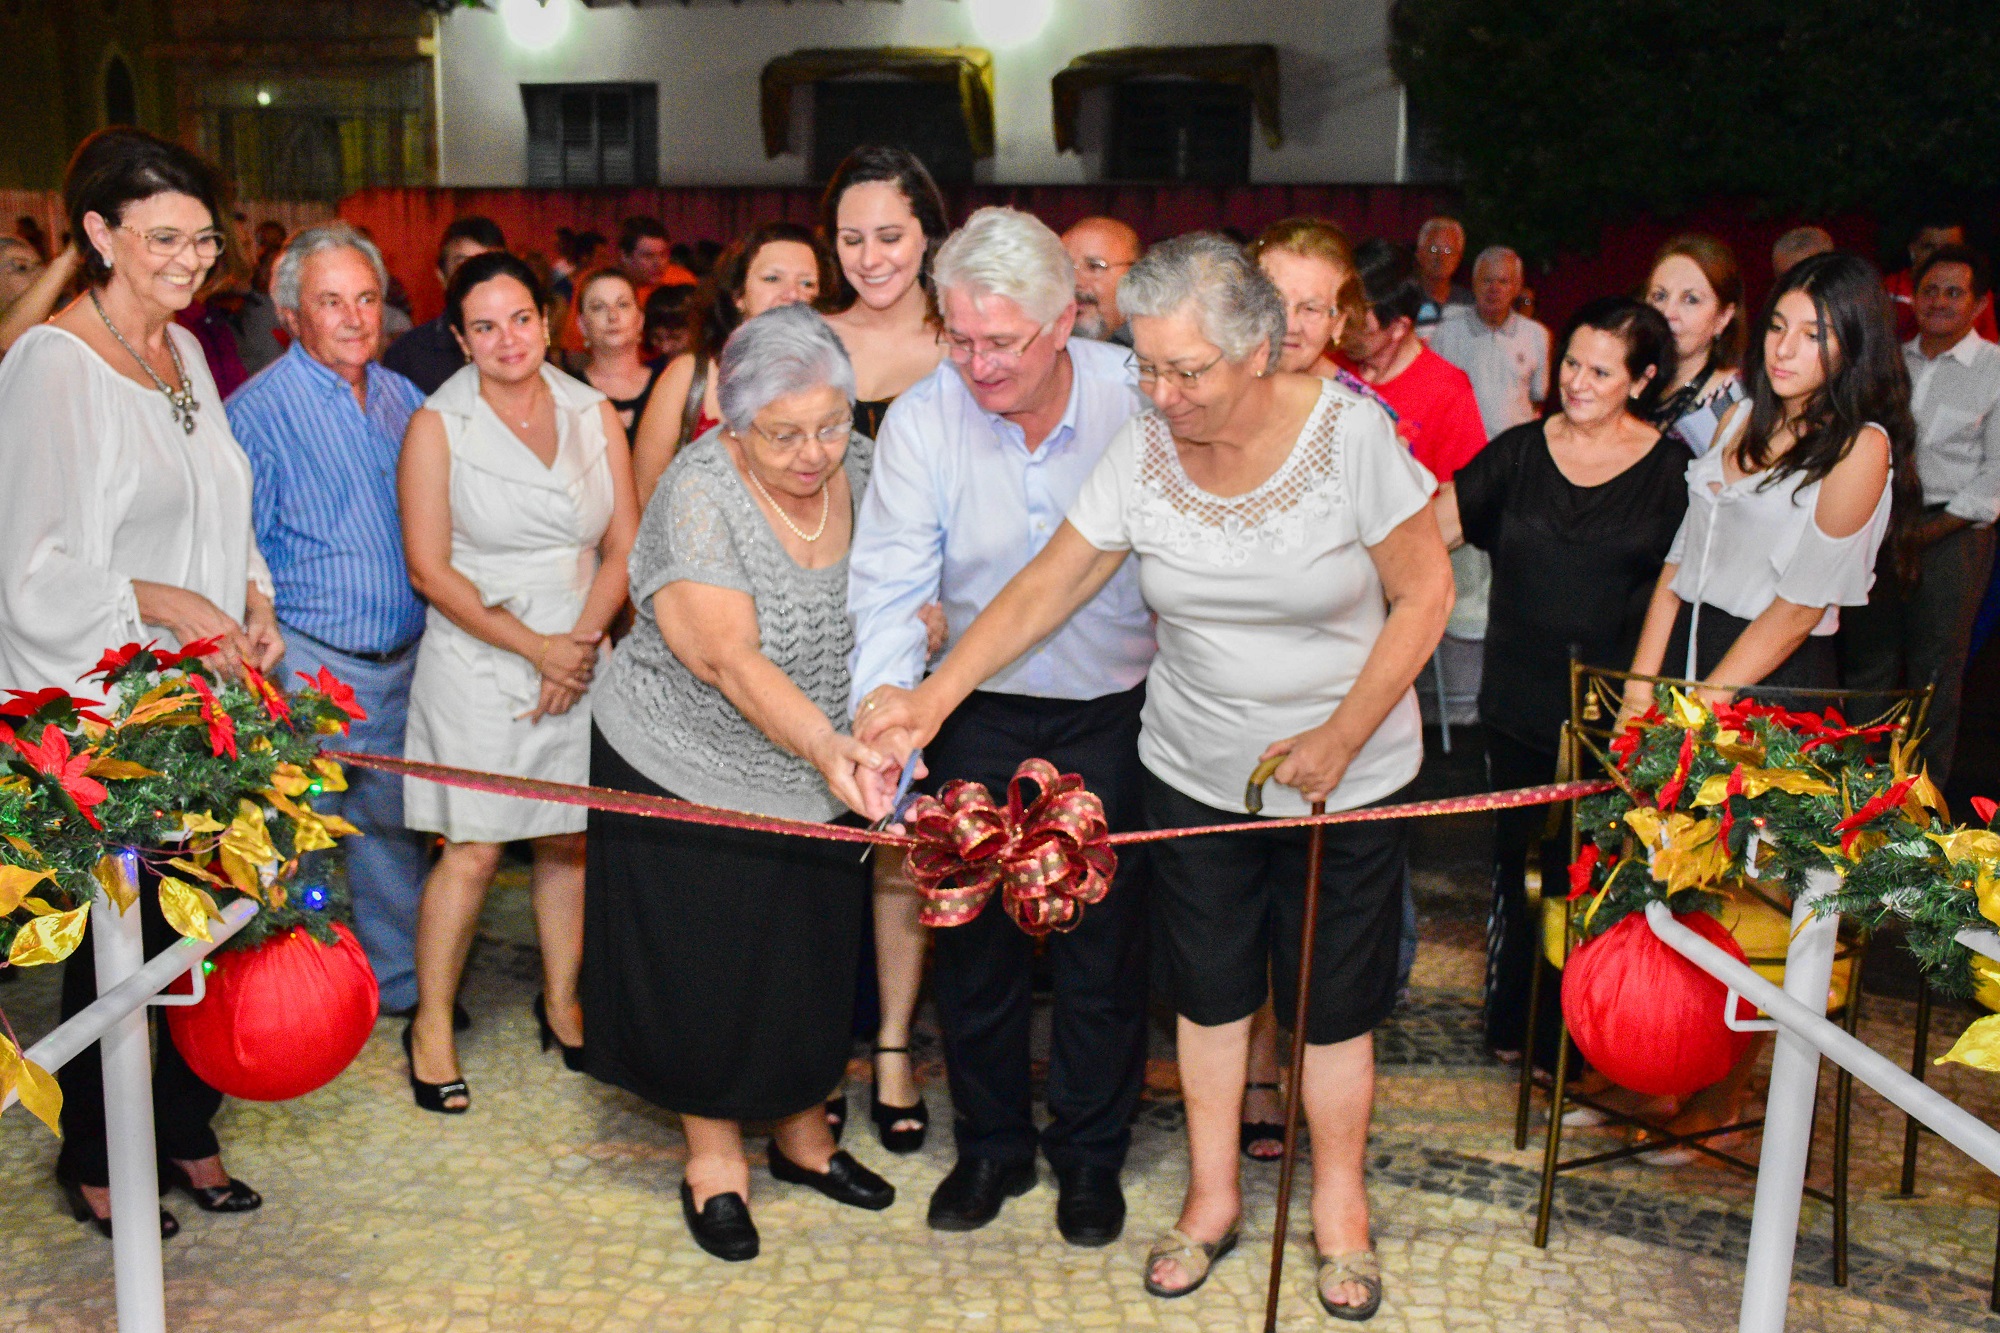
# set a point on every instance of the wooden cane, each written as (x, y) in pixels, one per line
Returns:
(1315, 847)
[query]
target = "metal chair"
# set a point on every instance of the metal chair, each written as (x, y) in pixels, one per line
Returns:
(1595, 697)
(1988, 996)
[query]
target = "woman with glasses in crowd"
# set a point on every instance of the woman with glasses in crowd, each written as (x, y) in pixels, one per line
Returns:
(719, 963)
(779, 263)
(129, 520)
(1286, 544)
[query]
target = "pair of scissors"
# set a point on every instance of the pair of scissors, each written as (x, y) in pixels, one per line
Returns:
(899, 805)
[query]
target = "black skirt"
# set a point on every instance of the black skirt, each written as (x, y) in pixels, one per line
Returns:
(1812, 664)
(718, 965)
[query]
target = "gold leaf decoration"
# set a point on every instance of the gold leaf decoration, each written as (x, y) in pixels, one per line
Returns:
(1757, 781)
(111, 877)
(36, 1087)
(48, 939)
(331, 778)
(1977, 1046)
(1690, 856)
(187, 908)
(290, 779)
(104, 766)
(15, 881)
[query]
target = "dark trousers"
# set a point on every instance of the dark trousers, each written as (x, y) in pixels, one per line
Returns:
(982, 973)
(1513, 933)
(1910, 637)
(183, 1105)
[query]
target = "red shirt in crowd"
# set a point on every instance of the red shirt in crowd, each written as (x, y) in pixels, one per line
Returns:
(1902, 295)
(1436, 413)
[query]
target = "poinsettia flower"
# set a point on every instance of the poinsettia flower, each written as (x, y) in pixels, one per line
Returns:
(1985, 809)
(268, 695)
(115, 660)
(1851, 827)
(28, 703)
(221, 726)
(338, 693)
(1579, 870)
(192, 652)
(53, 759)
(1670, 791)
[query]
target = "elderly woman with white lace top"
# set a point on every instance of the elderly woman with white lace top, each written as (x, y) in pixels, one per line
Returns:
(1285, 542)
(1787, 511)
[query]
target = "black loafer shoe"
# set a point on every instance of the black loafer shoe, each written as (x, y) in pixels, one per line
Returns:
(722, 1227)
(971, 1195)
(844, 1180)
(1091, 1208)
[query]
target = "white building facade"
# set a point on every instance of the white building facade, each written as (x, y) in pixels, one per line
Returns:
(1341, 109)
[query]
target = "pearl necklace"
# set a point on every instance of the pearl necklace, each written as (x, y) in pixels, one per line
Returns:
(825, 508)
(181, 401)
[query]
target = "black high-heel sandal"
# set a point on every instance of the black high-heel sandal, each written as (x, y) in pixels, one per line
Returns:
(80, 1209)
(1262, 1131)
(886, 1116)
(235, 1197)
(572, 1055)
(431, 1096)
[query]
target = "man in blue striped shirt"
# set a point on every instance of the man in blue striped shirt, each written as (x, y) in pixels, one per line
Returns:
(323, 425)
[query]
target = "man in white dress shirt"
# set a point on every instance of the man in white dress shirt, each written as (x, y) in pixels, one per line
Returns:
(1917, 626)
(1504, 353)
(975, 467)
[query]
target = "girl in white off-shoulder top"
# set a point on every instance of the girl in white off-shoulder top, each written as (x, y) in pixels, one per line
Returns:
(1787, 512)
(1785, 517)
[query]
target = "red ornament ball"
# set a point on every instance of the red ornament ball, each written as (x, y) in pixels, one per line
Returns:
(280, 1019)
(1645, 1017)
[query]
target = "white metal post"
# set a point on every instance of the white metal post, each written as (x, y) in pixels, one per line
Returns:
(120, 951)
(1788, 1119)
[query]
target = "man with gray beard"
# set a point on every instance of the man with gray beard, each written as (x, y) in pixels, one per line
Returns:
(1102, 249)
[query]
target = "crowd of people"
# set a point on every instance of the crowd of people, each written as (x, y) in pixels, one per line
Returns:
(883, 494)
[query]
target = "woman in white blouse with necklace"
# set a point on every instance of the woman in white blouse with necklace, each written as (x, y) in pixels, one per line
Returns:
(1786, 513)
(128, 519)
(1285, 542)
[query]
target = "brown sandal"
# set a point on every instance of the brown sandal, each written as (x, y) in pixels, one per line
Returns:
(1195, 1257)
(1357, 1266)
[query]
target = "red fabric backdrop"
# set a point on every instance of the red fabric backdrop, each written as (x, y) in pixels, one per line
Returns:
(407, 223)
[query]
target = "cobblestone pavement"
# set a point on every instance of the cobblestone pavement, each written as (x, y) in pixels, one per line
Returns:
(552, 1206)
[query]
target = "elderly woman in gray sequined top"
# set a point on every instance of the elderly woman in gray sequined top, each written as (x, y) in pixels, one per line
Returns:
(719, 964)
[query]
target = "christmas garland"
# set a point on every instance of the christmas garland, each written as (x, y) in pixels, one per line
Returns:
(1712, 803)
(207, 781)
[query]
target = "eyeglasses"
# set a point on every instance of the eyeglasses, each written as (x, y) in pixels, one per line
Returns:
(1311, 310)
(1441, 249)
(1174, 375)
(1105, 265)
(165, 242)
(967, 350)
(789, 440)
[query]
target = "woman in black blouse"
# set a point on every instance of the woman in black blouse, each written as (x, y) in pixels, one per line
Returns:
(1578, 511)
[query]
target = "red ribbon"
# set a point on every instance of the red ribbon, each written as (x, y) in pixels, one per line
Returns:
(1049, 860)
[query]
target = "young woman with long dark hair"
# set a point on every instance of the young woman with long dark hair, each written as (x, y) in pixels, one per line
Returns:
(1785, 517)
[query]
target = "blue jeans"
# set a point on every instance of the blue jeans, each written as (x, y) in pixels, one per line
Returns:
(386, 866)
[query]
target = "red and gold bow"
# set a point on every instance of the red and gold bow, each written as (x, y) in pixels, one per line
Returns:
(1049, 860)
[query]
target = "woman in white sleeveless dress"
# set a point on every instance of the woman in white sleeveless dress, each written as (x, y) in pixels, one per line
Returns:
(517, 517)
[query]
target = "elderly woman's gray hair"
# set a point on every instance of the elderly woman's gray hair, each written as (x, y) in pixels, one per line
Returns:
(318, 240)
(1236, 307)
(778, 353)
(1006, 252)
